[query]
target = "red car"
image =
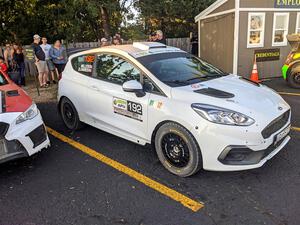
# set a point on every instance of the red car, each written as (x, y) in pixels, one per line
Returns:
(22, 130)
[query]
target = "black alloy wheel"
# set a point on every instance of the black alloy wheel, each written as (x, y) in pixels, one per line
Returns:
(175, 150)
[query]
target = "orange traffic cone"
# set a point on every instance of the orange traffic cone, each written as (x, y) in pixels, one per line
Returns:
(254, 75)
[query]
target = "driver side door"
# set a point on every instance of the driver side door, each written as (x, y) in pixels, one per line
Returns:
(111, 108)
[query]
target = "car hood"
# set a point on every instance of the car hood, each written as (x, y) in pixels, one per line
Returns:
(13, 99)
(235, 93)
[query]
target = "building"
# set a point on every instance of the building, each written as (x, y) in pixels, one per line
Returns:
(232, 32)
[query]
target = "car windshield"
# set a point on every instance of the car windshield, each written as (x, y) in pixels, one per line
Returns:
(180, 69)
(3, 81)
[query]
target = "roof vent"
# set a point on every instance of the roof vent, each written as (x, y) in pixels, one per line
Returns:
(145, 46)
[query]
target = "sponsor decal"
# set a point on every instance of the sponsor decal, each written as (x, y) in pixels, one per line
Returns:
(263, 55)
(195, 86)
(128, 108)
(287, 3)
(156, 104)
(85, 68)
(89, 58)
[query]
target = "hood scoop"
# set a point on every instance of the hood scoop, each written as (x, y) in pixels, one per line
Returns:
(12, 93)
(214, 93)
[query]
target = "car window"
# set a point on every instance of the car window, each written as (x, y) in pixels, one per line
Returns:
(115, 69)
(180, 69)
(3, 81)
(84, 64)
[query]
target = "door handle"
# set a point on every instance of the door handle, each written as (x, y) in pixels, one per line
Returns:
(95, 88)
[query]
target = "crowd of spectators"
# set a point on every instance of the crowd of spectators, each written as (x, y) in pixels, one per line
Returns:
(46, 61)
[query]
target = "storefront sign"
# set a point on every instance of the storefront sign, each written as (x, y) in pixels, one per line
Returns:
(264, 55)
(287, 4)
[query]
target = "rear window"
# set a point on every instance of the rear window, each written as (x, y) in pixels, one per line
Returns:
(84, 64)
(3, 81)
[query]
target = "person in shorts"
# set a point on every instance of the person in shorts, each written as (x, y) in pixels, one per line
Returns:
(46, 48)
(40, 61)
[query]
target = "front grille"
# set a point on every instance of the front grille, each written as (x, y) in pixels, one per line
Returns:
(276, 124)
(38, 136)
(3, 129)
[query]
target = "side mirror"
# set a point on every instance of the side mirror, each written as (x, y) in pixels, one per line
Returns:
(134, 87)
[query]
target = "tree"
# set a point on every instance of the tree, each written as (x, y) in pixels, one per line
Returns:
(174, 17)
(74, 20)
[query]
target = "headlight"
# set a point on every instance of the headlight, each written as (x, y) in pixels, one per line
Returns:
(29, 114)
(222, 116)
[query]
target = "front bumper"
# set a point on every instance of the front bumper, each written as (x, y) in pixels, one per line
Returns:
(216, 142)
(24, 139)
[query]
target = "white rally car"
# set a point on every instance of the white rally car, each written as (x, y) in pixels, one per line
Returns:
(194, 114)
(22, 131)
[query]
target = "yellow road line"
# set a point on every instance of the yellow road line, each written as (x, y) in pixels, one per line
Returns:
(176, 196)
(289, 93)
(296, 129)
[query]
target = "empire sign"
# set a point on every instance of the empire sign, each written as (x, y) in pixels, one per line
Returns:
(287, 4)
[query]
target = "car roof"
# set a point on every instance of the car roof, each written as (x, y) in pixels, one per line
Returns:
(136, 50)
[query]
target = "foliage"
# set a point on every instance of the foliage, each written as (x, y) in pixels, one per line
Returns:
(174, 17)
(89, 20)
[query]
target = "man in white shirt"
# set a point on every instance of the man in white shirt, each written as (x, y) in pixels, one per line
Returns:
(46, 48)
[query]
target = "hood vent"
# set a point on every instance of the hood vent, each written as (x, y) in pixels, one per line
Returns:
(214, 93)
(12, 93)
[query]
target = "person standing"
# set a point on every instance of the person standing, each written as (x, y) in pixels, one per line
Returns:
(40, 61)
(58, 54)
(3, 66)
(104, 42)
(18, 58)
(46, 48)
(7, 55)
(116, 41)
(160, 37)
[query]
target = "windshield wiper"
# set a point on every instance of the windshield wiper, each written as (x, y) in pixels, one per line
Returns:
(176, 82)
(196, 78)
(207, 76)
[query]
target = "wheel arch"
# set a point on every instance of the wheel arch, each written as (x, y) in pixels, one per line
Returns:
(60, 101)
(171, 121)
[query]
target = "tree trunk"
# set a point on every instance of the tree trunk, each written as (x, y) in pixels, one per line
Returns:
(105, 21)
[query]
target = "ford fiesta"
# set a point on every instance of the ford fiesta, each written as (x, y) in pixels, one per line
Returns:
(194, 114)
(22, 131)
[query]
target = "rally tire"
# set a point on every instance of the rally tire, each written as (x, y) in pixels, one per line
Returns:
(69, 115)
(187, 143)
(294, 77)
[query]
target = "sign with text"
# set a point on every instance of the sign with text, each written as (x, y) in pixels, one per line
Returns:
(287, 4)
(263, 55)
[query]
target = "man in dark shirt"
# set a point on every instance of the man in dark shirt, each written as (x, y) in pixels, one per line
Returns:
(40, 61)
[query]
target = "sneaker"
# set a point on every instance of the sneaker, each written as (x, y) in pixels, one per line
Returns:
(54, 82)
(48, 82)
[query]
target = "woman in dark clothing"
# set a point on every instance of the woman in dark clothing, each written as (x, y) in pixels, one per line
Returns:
(18, 58)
